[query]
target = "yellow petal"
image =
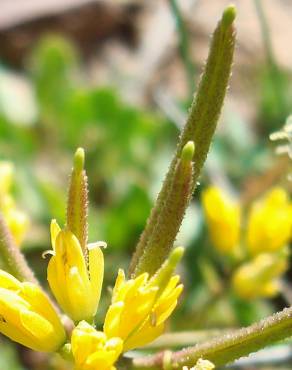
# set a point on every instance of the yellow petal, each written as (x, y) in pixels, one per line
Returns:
(170, 286)
(79, 296)
(18, 335)
(21, 324)
(41, 330)
(18, 224)
(223, 220)
(57, 284)
(92, 350)
(8, 281)
(166, 307)
(55, 229)
(40, 303)
(146, 334)
(106, 356)
(112, 320)
(120, 281)
(70, 252)
(269, 222)
(83, 341)
(96, 271)
(136, 312)
(69, 278)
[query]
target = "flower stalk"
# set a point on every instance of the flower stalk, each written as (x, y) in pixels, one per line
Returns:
(12, 257)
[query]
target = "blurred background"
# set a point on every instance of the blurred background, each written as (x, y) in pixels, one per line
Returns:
(117, 78)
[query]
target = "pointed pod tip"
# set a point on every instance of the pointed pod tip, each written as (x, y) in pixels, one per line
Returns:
(188, 151)
(79, 159)
(176, 255)
(229, 15)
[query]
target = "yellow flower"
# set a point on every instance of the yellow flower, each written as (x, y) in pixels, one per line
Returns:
(201, 365)
(269, 222)
(92, 350)
(18, 224)
(17, 221)
(27, 316)
(75, 284)
(223, 220)
(6, 176)
(141, 306)
(260, 276)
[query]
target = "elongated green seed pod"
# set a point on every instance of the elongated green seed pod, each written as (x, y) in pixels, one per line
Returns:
(202, 120)
(170, 218)
(77, 206)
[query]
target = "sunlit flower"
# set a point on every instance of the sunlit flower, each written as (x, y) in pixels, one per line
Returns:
(92, 349)
(136, 316)
(269, 222)
(75, 284)
(260, 276)
(223, 220)
(141, 306)
(27, 316)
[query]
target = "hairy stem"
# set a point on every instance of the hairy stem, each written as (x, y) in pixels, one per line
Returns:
(12, 257)
(185, 338)
(229, 347)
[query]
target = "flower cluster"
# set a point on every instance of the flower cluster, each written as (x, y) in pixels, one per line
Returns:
(136, 316)
(27, 316)
(138, 310)
(16, 220)
(141, 306)
(68, 268)
(223, 218)
(259, 244)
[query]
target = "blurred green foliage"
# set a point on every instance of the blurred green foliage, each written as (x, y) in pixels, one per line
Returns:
(121, 142)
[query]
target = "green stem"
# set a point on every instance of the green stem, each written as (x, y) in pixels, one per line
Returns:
(13, 259)
(273, 67)
(184, 45)
(265, 32)
(230, 347)
(184, 338)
